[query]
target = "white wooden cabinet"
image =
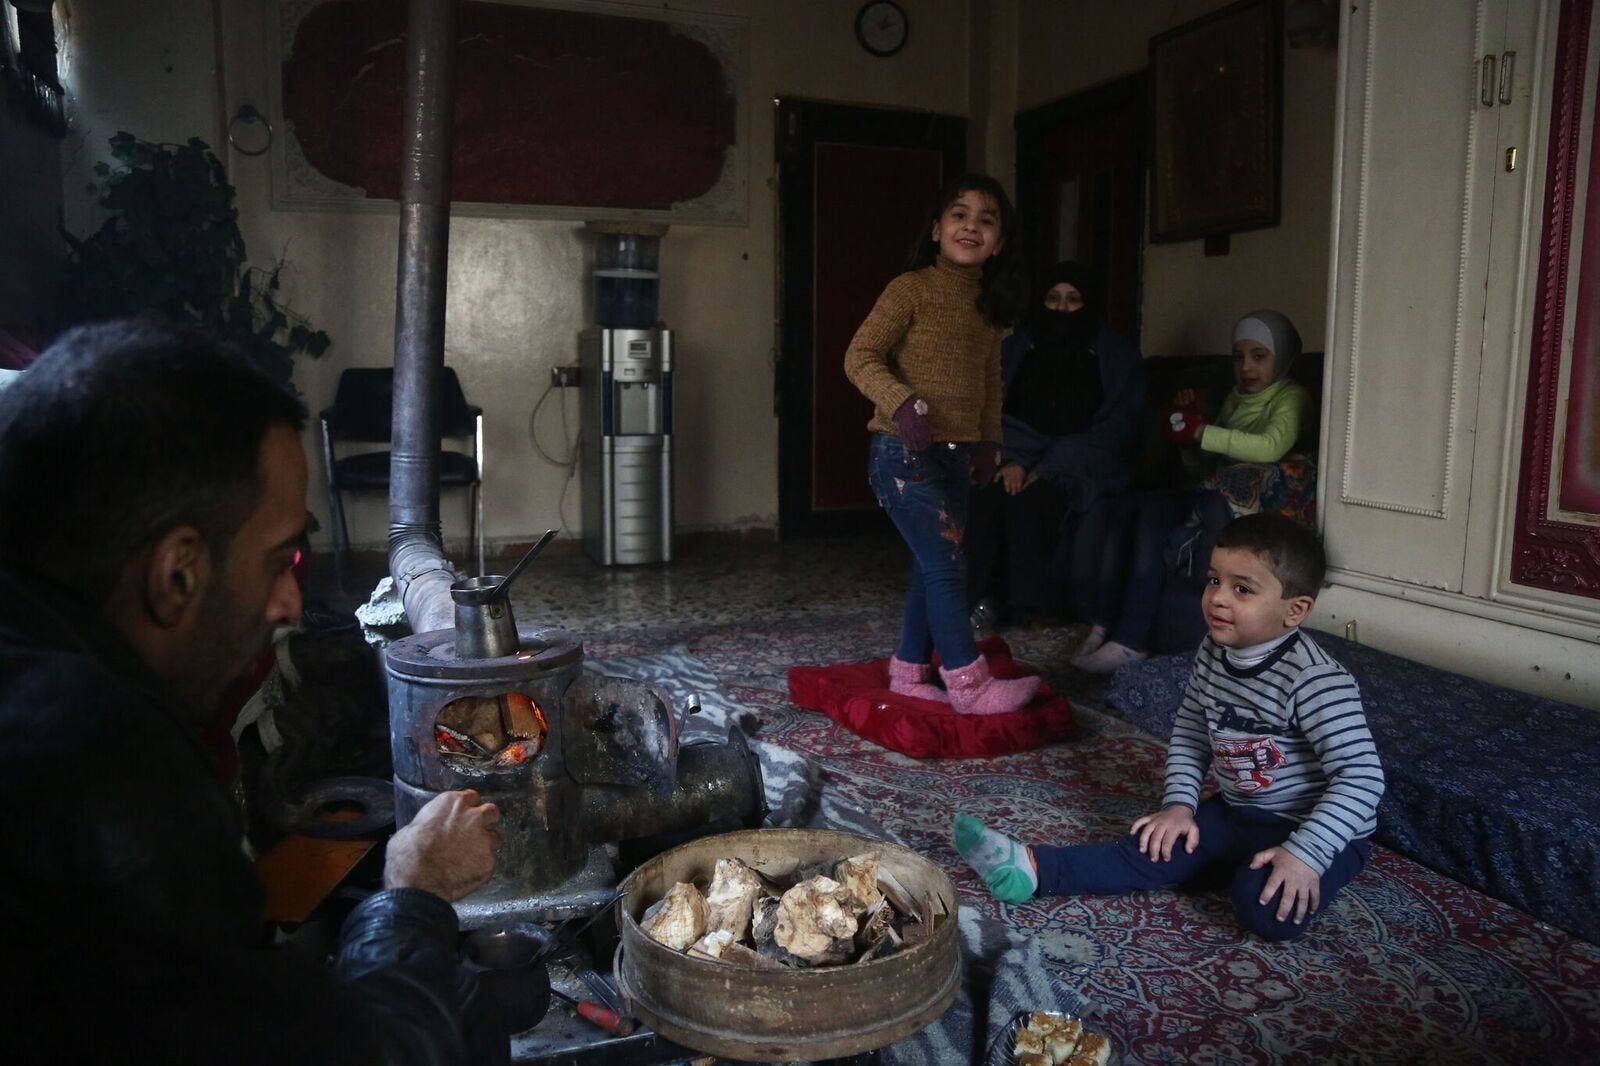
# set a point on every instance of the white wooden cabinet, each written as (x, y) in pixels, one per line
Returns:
(1431, 268)
(1433, 284)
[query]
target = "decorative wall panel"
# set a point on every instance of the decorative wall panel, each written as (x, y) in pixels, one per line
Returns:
(1556, 544)
(584, 110)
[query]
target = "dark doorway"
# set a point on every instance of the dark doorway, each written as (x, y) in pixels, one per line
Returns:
(1080, 188)
(854, 185)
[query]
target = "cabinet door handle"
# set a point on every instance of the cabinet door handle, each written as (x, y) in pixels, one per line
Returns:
(1508, 61)
(1486, 82)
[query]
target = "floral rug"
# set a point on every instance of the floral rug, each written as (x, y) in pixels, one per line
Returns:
(1406, 967)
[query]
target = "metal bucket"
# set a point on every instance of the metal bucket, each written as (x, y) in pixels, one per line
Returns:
(766, 1015)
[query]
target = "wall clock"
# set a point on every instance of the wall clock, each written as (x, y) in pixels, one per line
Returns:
(882, 27)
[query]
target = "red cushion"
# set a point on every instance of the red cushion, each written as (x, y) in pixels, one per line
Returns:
(857, 696)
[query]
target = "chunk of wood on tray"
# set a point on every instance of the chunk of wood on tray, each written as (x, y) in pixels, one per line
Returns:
(814, 924)
(678, 919)
(858, 879)
(732, 896)
(822, 914)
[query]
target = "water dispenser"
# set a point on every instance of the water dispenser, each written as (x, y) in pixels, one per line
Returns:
(626, 426)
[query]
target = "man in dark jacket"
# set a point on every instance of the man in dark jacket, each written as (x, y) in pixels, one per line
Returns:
(152, 500)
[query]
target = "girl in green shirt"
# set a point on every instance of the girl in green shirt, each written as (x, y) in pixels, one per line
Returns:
(1258, 423)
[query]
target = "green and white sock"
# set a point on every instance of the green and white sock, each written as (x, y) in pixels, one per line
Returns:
(1002, 862)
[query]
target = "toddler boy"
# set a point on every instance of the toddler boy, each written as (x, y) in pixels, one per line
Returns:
(1277, 720)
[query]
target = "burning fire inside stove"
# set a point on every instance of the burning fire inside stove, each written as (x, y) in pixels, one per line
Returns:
(490, 731)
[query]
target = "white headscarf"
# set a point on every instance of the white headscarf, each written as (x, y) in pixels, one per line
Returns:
(1275, 333)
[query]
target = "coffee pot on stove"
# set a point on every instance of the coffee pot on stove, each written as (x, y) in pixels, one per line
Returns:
(485, 627)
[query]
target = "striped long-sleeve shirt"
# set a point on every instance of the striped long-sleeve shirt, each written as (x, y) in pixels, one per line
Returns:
(1287, 735)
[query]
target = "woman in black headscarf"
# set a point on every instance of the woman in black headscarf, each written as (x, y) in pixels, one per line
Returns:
(1074, 395)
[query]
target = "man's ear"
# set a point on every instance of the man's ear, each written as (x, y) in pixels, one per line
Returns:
(1296, 608)
(176, 570)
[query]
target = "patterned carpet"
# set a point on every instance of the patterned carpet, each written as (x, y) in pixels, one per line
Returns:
(1407, 966)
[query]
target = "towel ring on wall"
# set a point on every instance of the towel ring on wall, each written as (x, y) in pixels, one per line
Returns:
(248, 114)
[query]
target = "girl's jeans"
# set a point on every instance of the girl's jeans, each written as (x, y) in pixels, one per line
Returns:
(925, 495)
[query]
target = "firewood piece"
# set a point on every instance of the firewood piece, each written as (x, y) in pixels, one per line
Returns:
(876, 924)
(812, 919)
(476, 716)
(903, 901)
(514, 754)
(711, 946)
(743, 956)
(918, 929)
(763, 920)
(779, 870)
(882, 949)
(520, 717)
(772, 951)
(859, 876)
(455, 742)
(678, 919)
(732, 897)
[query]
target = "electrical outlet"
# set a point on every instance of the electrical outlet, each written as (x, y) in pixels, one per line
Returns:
(564, 377)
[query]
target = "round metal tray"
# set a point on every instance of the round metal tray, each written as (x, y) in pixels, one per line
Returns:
(764, 1015)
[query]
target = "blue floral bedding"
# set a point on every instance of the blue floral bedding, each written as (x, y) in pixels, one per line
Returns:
(1498, 789)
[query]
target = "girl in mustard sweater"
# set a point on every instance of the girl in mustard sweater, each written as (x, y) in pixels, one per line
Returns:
(1258, 423)
(928, 357)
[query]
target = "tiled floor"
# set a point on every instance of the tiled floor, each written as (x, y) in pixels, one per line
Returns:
(719, 585)
(710, 584)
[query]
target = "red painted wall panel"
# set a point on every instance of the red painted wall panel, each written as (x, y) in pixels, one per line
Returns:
(552, 107)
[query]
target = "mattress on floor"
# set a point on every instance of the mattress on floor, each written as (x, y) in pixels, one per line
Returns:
(1496, 788)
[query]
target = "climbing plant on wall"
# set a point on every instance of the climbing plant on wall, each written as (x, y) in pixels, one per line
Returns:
(171, 247)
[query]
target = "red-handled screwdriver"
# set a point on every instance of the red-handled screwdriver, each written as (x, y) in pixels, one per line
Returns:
(597, 1013)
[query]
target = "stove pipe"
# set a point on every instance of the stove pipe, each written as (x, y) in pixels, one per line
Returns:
(416, 549)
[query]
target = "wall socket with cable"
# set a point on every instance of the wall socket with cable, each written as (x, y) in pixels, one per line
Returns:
(564, 377)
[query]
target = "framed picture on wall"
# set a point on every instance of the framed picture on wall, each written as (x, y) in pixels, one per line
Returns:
(1216, 104)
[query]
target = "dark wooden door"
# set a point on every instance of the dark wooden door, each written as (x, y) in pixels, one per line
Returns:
(1080, 188)
(855, 185)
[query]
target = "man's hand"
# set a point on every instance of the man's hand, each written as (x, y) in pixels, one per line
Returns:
(447, 849)
(1158, 832)
(1012, 478)
(1302, 888)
